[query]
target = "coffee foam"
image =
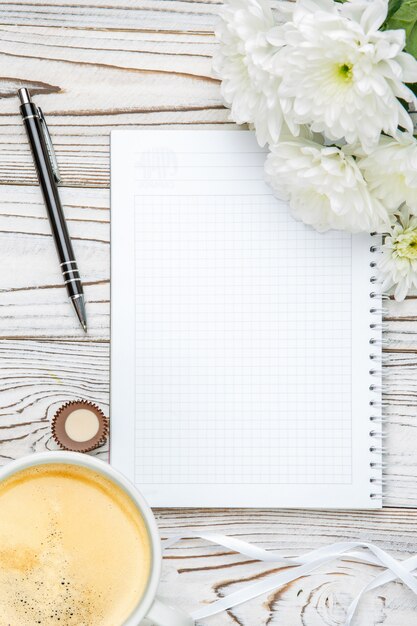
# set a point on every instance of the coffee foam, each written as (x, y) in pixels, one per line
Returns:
(74, 550)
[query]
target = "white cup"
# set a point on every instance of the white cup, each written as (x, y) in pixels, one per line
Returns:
(149, 609)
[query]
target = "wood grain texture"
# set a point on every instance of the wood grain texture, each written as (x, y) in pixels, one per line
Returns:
(140, 78)
(37, 378)
(33, 298)
(315, 600)
(100, 65)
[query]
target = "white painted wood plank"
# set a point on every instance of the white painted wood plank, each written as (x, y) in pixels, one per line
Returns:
(138, 80)
(36, 378)
(33, 298)
(195, 572)
(183, 16)
(123, 14)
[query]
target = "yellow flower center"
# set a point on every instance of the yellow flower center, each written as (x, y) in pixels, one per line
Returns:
(405, 245)
(344, 72)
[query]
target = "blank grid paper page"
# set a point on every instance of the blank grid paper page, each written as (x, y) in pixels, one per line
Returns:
(243, 336)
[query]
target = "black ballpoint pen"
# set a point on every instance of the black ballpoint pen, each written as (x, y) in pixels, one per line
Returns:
(48, 176)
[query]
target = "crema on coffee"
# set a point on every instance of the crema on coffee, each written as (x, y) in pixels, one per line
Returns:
(74, 549)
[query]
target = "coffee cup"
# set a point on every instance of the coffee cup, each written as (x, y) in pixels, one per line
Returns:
(148, 609)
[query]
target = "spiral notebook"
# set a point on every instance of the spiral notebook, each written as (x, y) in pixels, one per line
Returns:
(242, 340)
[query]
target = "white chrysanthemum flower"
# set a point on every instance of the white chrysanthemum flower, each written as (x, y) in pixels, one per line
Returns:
(324, 187)
(244, 52)
(398, 261)
(391, 171)
(340, 73)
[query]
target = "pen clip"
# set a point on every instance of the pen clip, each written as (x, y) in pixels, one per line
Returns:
(49, 145)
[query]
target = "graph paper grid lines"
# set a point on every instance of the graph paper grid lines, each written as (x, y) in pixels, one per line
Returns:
(243, 344)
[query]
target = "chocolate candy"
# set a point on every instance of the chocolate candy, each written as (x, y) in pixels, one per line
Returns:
(80, 426)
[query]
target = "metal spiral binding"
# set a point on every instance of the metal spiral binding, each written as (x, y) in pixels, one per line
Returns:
(377, 341)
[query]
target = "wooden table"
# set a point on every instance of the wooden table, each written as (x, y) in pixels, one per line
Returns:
(100, 65)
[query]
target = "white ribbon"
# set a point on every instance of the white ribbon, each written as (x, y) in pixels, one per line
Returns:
(300, 567)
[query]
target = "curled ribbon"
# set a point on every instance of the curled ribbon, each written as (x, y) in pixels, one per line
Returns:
(352, 550)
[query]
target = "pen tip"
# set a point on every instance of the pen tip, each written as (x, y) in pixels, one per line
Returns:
(79, 306)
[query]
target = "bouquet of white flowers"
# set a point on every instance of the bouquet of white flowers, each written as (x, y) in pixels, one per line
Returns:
(331, 87)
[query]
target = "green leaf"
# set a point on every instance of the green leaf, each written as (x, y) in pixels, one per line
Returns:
(411, 46)
(413, 87)
(403, 14)
(393, 6)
